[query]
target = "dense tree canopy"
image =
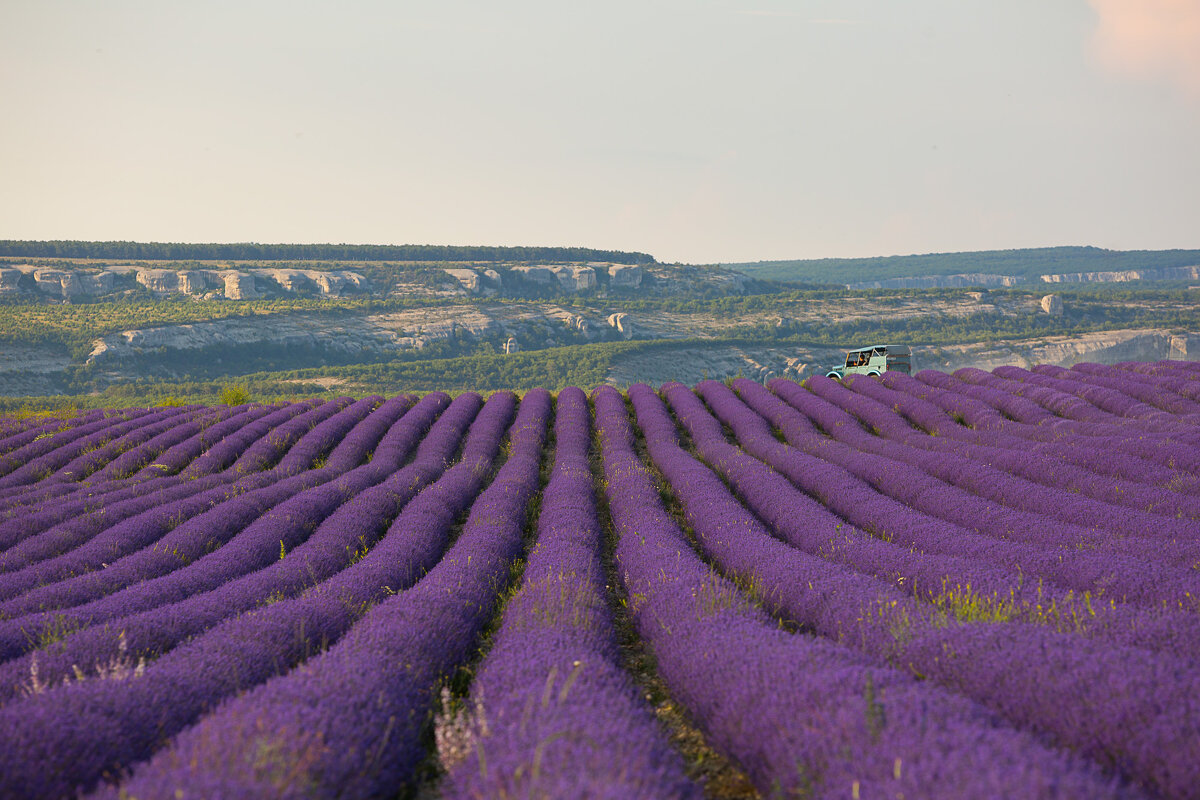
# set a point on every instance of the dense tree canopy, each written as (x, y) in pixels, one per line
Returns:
(253, 251)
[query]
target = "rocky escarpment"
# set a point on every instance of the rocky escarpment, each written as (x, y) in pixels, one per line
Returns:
(1121, 276)
(939, 281)
(1190, 273)
(229, 284)
(537, 324)
(693, 363)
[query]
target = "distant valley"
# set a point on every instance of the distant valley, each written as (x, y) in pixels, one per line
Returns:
(88, 329)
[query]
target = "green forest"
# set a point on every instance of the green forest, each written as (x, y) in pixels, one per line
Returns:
(253, 251)
(1027, 264)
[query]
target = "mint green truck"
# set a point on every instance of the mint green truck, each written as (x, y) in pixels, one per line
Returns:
(874, 360)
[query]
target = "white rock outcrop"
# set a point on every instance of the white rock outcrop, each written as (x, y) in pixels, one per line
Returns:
(239, 286)
(467, 278)
(622, 323)
(9, 279)
(97, 283)
(158, 280)
(624, 276)
(535, 274)
(1052, 304)
(290, 280)
(192, 281)
(1121, 276)
(50, 281)
(571, 277)
(939, 281)
(575, 279)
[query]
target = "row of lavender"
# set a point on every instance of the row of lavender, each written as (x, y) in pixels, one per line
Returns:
(218, 601)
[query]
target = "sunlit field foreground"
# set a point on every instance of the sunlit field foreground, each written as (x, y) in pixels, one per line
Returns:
(976, 585)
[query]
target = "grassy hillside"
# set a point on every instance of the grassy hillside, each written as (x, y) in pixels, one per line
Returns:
(1027, 264)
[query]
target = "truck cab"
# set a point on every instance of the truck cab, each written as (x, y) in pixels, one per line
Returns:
(874, 360)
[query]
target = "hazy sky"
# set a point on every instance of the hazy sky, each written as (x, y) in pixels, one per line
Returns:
(695, 131)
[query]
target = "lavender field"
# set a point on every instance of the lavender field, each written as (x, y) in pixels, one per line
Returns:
(977, 585)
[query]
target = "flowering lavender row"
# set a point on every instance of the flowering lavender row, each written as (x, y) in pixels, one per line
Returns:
(970, 659)
(240, 534)
(1053, 399)
(359, 443)
(944, 413)
(1095, 524)
(951, 516)
(1160, 373)
(18, 433)
(915, 486)
(1155, 374)
(797, 713)
(65, 479)
(551, 691)
(106, 485)
(134, 459)
(46, 533)
(59, 436)
(962, 580)
(1035, 422)
(193, 553)
(56, 553)
(1107, 399)
(340, 539)
(112, 501)
(217, 449)
(938, 411)
(90, 460)
(1050, 395)
(324, 436)
(112, 725)
(103, 541)
(885, 412)
(1142, 390)
(267, 451)
(366, 699)
(40, 467)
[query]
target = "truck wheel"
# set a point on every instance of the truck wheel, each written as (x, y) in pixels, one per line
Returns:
(834, 375)
(872, 374)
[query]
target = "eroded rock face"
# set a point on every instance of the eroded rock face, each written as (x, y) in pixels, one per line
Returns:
(95, 283)
(1121, 276)
(50, 281)
(468, 278)
(1052, 304)
(622, 323)
(72, 285)
(9, 280)
(576, 279)
(290, 280)
(536, 274)
(576, 322)
(353, 279)
(329, 284)
(939, 281)
(571, 278)
(624, 276)
(158, 280)
(239, 286)
(192, 282)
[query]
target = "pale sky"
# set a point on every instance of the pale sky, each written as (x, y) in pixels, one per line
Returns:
(694, 131)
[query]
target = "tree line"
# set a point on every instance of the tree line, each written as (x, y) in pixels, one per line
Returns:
(254, 251)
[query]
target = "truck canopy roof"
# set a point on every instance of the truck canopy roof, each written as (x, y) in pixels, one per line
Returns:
(890, 349)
